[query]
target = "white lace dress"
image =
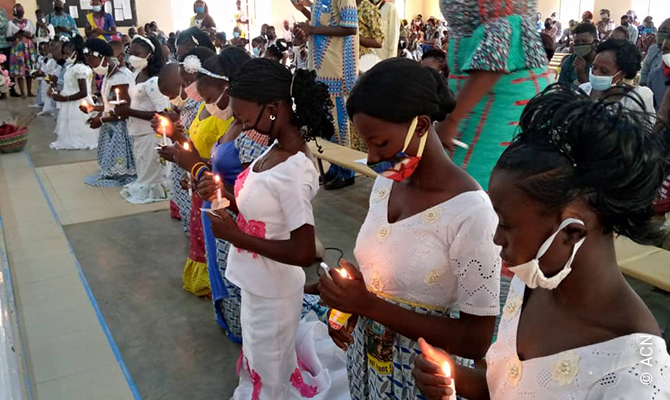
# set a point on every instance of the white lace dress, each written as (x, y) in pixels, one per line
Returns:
(152, 172)
(72, 130)
(430, 263)
(629, 367)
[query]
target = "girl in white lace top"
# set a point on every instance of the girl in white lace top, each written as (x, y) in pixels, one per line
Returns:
(426, 247)
(579, 172)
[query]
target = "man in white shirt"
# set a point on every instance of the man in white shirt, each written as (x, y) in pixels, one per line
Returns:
(390, 27)
(287, 34)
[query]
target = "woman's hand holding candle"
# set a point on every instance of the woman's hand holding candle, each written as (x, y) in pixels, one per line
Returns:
(346, 291)
(433, 373)
(208, 187)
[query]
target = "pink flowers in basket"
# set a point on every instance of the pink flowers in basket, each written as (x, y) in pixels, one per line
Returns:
(5, 80)
(3, 58)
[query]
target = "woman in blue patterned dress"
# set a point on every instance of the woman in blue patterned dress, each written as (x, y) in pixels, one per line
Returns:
(116, 161)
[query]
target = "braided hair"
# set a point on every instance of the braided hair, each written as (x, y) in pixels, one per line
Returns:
(265, 81)
(571, 147)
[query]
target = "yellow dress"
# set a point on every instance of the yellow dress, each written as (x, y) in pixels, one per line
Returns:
(204, 134)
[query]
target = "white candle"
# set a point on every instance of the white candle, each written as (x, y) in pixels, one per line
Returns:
(217, 179)
(118, 99)
(446, 368)
(164, 126)
(188, 174)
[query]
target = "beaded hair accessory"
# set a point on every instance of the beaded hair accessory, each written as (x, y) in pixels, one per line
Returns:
(192, 65)
(563, 148)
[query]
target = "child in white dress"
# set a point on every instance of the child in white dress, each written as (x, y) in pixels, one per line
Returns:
(71, 128)
(578, 173)
(273, 238)
(145, 101)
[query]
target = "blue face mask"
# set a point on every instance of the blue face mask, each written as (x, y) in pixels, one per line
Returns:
(601, 83)
(257, 51)
(97, 8)
(648, 31)
(236, 34)
(200, 10)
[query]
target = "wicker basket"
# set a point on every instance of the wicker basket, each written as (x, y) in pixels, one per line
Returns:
(14, 142)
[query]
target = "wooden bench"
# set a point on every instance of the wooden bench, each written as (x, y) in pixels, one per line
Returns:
(342, 156)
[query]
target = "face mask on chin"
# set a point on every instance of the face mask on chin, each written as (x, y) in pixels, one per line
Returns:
(179, 100)
(71, 60)
(531, 273)
(402, 165)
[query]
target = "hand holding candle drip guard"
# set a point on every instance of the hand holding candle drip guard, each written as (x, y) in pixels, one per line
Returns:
(433, 373)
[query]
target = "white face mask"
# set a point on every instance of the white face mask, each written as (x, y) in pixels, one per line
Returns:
(601, 83)
(215, 111)
(101, 69)
(666, 59)
(192, 92)
(178, 101)
(138, 63)
(70, 60)
(530, 272)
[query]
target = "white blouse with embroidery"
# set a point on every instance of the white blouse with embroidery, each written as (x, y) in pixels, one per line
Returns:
(629, 367)
(439, 258)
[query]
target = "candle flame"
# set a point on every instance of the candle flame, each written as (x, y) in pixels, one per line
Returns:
(446, 368)
(186, 146)
(217, 178)
(116, 91)
(163, 122)
(84, 103)
(343, 272)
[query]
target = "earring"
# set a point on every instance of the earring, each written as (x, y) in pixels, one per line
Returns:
(272, 117)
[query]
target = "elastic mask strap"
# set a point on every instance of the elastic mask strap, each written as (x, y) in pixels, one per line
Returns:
(410, 135)
(545, 246)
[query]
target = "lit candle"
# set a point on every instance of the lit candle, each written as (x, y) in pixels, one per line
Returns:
(217, 179)
(337, 318)
(446, 368)
(118, 99)
(188, 174)
(164, 127)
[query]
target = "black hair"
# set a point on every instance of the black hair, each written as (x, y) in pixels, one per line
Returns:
(549, 45)
(265, 81)
(227, 63)
(587, 28)
(620, 29)
(398, 89)
(202, 53)
(76, 44)
(156, 60)
(628, 56)
(437, 54)
(278, 49)
(101, 46)
(570, 147)
(195, 37)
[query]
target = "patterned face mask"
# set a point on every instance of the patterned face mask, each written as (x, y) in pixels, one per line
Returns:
(402, 165)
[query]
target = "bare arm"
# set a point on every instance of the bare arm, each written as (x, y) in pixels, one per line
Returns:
(370, 43)
(81, 94)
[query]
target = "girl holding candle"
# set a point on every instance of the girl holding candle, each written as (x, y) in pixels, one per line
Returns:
(205, 131)
(578, 173)
(145, 101)
(72, 129)
(116, 161)
(426, 247)
(273, 237)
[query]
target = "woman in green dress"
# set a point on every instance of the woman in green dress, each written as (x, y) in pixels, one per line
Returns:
(497, 65)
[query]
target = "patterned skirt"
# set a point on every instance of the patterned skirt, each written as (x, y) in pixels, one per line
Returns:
(115, 156)
(380, 361)
(23, 58)
(490, 126)
(195, 275)
(180, 196)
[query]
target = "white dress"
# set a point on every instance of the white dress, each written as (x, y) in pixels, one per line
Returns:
(283, 357)
(629, 367)
(152, 172)
(72, 130)
(433, 263)
(51, 68)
